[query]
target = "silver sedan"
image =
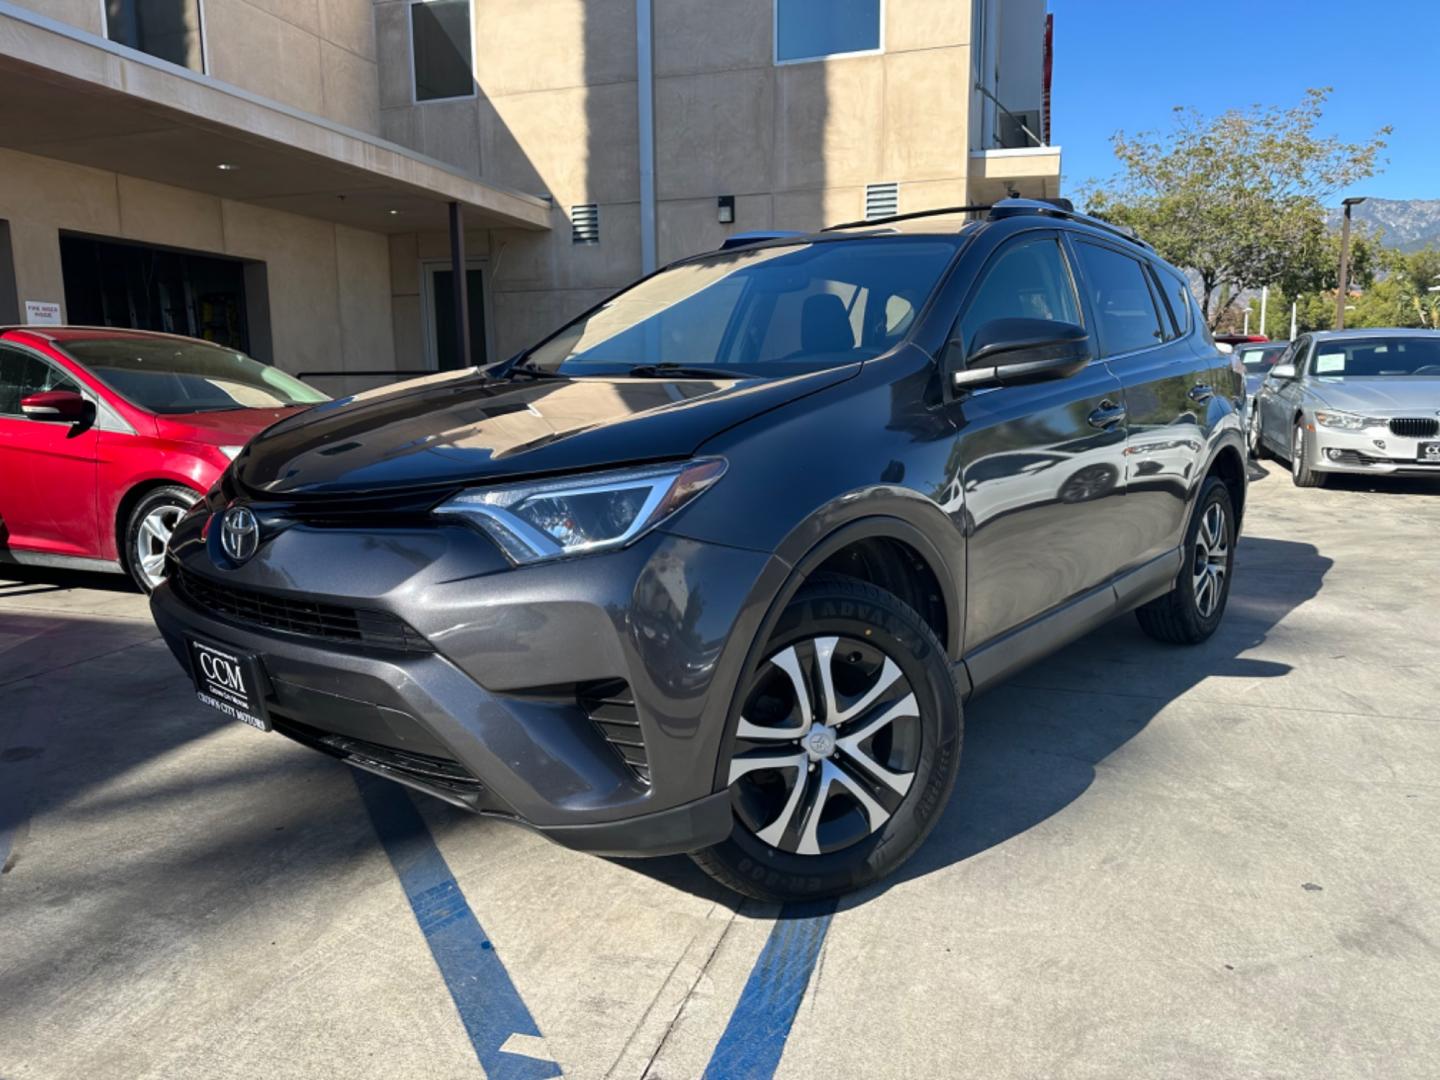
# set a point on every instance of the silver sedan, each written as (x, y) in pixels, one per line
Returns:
(1352, 401)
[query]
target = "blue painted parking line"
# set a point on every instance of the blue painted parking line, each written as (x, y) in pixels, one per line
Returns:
(755, 1038)
(489, 1005)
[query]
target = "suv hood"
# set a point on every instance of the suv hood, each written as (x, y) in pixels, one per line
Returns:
(466, 426)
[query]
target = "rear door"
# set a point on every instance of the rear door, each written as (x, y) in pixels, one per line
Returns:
(1040, 466)
(47, 469)
(1168, 388)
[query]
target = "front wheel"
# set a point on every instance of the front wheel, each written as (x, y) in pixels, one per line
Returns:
(147, 531)
(1192, 609)
(846, 747)
(1253, 437)
(1301, 470)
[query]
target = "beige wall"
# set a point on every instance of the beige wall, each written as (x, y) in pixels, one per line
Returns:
(329, 285)
(314, 55)
(555, 113)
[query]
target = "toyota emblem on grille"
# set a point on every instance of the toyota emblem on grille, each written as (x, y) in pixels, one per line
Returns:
(239, 533)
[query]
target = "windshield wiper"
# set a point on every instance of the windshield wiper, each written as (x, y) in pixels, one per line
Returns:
(515, 370)
(685, 371)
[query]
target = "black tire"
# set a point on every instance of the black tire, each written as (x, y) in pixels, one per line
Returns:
(1254, 443)
(1184, 616)
(869, 626)
(1301, 471)
(162, 504)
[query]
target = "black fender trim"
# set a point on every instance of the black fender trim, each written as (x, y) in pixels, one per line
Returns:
(864, 528)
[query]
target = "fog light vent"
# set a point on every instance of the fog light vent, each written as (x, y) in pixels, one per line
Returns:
(611, 707)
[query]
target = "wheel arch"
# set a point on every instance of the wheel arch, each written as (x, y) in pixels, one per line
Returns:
(823, 543)
(1228, 464)
(132, 496)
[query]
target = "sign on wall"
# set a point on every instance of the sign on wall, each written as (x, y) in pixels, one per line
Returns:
(42, 313)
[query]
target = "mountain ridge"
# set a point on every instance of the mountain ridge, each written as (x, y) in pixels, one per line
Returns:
(1406, 224)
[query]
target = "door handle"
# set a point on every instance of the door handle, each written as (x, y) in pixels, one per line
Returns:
(1107, 415)
(1201, 392)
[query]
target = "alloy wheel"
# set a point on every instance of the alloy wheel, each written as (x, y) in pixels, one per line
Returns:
(827, 745)
(1211, 560)
(1297, 451)
(150, 541)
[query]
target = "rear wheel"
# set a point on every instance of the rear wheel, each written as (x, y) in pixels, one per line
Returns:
(1300, 469)
(147, 531)
(1190, 612)
(846, 748)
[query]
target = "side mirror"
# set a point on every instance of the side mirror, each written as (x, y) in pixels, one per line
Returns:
(64, 406)
(1282, 372)
(1015, 352)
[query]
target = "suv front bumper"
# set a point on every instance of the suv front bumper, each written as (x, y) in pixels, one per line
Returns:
(515, 712)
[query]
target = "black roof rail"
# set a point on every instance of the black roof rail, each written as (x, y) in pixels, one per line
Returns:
(1061, 208)
(1013, 207)
(939, 211)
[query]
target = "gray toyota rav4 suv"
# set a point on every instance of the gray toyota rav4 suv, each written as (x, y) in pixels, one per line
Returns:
(713, 568)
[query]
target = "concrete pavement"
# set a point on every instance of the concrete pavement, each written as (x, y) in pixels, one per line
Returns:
(1158, 862)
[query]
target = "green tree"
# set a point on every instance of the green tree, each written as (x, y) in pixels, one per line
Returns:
(1238, 199)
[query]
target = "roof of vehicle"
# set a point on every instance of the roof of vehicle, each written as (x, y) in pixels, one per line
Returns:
(62, 334)
(1373, 331)
(945, 221)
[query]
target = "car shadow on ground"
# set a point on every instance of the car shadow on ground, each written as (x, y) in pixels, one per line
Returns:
(1032, 745)
(1272, 469)
(18, 580)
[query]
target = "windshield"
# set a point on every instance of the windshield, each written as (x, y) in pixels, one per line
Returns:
(769, 312)
(176, 376)
(1368, 358)
(1262, 359)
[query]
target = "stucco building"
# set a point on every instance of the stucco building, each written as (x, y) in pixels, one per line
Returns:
(300, 178)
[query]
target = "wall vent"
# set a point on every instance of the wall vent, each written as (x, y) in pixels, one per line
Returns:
(881, 201)
(585, 224)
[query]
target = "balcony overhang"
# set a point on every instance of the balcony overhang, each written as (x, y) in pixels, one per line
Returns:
(1032, 172)
(76, 97)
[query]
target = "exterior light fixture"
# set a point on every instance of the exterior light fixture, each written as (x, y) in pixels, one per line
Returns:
(725, 209)
(225, 166)
(392, 213)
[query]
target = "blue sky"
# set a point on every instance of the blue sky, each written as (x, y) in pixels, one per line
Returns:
(1122, 64)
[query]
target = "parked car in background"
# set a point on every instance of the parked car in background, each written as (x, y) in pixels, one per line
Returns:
(1352, 401)
(1257, 359)
(107, 436)
(712, 568)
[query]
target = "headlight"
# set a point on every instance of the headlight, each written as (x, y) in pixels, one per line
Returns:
(532, 522)
(1346, 421)
(232, 452)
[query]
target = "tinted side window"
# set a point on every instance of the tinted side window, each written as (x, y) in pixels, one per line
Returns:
(22, 375)
(1181, 300)
(1121, 298)
(1030, 279)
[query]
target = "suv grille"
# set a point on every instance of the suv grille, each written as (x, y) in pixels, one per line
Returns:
(333, 622)
(1414, 427)
(611, 707)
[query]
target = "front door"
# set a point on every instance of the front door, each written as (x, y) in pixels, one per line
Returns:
(1041, 466)
(441, 328)
(1278, 398)
(47, 469)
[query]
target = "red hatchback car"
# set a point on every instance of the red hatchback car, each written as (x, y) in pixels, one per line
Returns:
(107, 436)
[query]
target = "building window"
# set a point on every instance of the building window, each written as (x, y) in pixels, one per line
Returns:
(167, 29)
(815, 29)
(881, 201)
(440, 53)
(585, 224)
